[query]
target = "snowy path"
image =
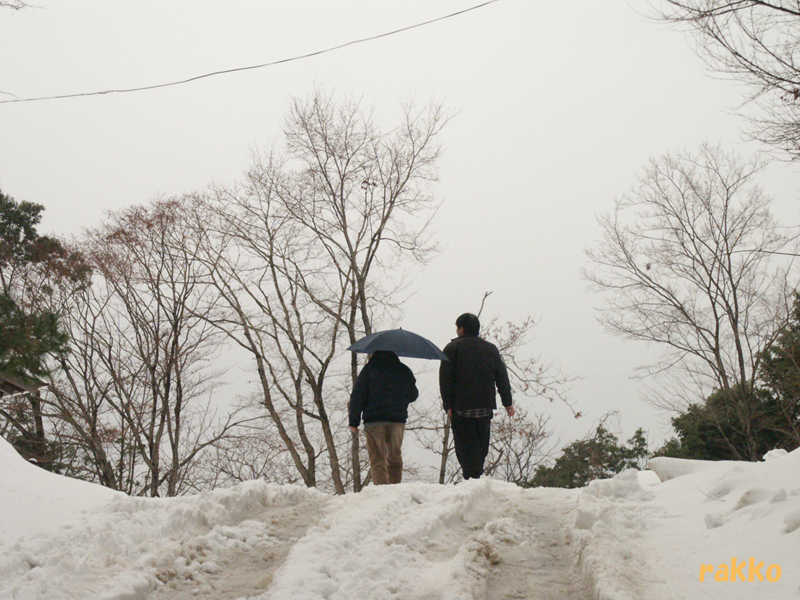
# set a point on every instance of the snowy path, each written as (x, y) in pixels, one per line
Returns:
(542, 567)
(483, 540)
(244, 568)
(480, 540)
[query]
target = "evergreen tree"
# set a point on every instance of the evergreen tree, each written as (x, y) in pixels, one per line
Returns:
(780, 374)
(597, 457)
(32, 266)
(713, 430)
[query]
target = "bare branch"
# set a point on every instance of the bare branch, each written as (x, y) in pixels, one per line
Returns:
(755, 42)
(691, 261)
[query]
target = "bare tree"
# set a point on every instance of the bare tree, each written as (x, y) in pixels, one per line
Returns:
(77, 403)
(690, 260)
(518, 446)
(302, 253)
(341, 152)
(529, 375)
(133, 385)
(249, 248)
(252, 451)
(431, 428)
(756, 42)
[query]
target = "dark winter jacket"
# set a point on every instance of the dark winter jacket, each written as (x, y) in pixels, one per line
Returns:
(384, 389)
(468, 380)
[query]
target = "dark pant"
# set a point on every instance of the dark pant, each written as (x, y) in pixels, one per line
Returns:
(471, 438)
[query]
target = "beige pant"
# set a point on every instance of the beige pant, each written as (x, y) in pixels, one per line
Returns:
(385, 449)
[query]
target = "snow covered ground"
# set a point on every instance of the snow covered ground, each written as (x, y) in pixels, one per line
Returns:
(648, 534)
(34, 501)
(631, 537)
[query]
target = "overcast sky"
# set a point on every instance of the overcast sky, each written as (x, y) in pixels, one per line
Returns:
(557, 107)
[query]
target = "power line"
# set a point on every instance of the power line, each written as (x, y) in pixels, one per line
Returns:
(252, 67)
(774, 252)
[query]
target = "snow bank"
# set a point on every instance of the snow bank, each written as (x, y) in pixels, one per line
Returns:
(611, 527)
(637, 535)
(641, 540)
(126, 546)
(33, 501)
(669, 468)
(406, 542)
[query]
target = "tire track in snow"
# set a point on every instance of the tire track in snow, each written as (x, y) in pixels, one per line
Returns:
(246, 566)
(540, 563)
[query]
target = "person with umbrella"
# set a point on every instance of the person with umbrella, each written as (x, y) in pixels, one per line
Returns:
(382, 392)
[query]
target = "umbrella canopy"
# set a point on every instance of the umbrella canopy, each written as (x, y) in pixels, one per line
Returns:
(401, 342)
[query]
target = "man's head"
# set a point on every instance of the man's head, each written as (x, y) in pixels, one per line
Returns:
(468, 325)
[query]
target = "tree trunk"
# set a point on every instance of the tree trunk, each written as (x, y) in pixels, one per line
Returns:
(445, 451)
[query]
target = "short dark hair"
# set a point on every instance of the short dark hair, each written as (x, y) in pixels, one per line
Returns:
(469, 323)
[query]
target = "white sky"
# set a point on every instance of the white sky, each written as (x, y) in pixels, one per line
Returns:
(557, 106)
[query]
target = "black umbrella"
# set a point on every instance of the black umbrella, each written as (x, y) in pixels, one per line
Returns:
(401, 342)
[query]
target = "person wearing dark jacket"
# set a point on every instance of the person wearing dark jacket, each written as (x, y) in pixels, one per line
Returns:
(384, 389)
(467, 381)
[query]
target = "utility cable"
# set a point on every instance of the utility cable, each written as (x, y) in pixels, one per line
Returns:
(252, 67)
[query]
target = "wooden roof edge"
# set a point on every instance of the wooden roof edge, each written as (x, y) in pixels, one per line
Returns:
(24, 384)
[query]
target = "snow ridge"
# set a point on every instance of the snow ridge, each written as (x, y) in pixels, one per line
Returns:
(648, 534)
